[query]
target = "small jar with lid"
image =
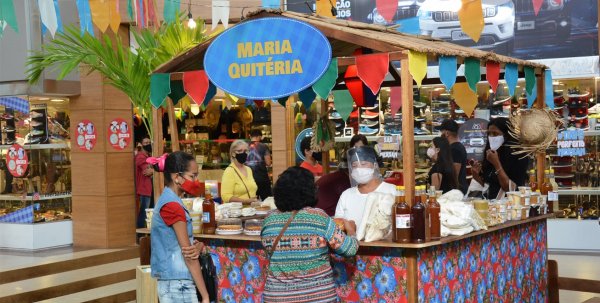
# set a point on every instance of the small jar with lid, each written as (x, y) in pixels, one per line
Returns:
(253, 227)
(231, 226)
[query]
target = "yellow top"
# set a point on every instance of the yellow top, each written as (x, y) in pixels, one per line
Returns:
(232, 184)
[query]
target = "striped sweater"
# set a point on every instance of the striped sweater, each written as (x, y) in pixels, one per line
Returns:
(300, 270)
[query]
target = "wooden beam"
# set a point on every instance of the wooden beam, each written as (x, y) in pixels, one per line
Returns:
(394, 56)
(412, 276)
(172, 126)
(540, 103)
(582, 285)
(553, 282)
(408, 137)
(157, 150)
(334, 32)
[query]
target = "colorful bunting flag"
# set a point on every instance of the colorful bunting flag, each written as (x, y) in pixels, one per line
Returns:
(171, 9)
(114, 15)
(354, 85)
(324, 8)
(326, 83)
(511, 75)
(270, 3)
(140, 13)
(531, 97)
(130, 10)
(7, 15)
(177, 91)
(387, 9)
(537, 5)
(196, 85)
(465, 97)
(417, 66)
(59, 23)
(492, 74)
(372, 68)
(220, 12)
(210, 93)
(100, 14)
(448, 71)
(549, 91)
(152, 15)
(85, 17)
(307, 97)
(472, 72)
(395, 99)
(48, 15)
(282, 101)
(530, 80)
(343, 103)
(160, 87)
(471, 18)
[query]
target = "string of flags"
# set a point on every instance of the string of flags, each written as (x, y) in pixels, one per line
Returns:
(363, 82)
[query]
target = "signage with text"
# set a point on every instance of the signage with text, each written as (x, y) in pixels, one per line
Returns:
(571, 143)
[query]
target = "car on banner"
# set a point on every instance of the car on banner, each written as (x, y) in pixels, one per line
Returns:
(439, 19)
(553, 22)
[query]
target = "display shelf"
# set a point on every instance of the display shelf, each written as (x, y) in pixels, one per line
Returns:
(579, 191)
(375, 138)
(36, 236)
(591, 133)
(28, 198)
(40, 146)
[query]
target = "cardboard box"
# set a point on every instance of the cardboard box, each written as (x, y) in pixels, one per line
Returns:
(147, 287)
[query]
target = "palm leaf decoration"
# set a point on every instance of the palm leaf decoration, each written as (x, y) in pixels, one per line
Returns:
(126, 68)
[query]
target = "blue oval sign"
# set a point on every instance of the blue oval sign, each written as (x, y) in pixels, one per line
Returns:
(267, 58)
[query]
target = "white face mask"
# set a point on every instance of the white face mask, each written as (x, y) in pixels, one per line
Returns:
(431, 152)
(496, 142)
(362, 175)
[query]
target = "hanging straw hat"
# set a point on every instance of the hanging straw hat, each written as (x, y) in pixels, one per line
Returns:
(535, 129)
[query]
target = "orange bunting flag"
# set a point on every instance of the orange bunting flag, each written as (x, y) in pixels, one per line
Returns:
(465, 97)
(114, 16)
(471, 18)
(325, 7)
(100, 14)
(417, 66)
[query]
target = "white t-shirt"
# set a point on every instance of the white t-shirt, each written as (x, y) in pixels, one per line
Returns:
(351, 205)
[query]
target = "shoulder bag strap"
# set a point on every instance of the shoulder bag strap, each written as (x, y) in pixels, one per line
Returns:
(287, 224)
(238, 174)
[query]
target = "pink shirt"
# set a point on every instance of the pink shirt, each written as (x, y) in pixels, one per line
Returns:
(143, 184)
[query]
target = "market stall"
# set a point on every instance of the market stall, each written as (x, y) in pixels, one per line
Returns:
(482, 264)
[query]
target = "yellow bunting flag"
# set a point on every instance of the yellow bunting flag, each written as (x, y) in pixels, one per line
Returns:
(465, 97)
(324, 8)
(417, 65)
(100, 14)
(114, 16)
(471, 18)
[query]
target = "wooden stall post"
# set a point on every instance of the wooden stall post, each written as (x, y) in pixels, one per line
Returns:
(280, 137)
(157, 151)
(172, 126)
(540, 157)
(408, 137)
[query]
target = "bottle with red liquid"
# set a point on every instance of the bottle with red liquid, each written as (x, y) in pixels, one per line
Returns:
(418, 212)
(433, 209)
(402, 217)
(209, 222)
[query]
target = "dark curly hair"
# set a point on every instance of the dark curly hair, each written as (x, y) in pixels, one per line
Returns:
(176, 162)
(295, 189)
(359, 137)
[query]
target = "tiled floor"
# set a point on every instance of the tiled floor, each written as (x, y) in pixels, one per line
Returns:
(577, 266)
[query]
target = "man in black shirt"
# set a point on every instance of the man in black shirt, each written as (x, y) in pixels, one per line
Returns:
(449, 130)
(259, 158)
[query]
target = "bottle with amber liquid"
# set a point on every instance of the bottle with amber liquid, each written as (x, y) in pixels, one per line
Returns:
(546, 189)
(533, 181)
(419, 217)
(433, 209)
(209, 222)
(402, 218)
(424, 200)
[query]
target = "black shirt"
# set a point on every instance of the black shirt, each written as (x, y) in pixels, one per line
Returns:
(446, 185)
(514, 166)
(459, 155)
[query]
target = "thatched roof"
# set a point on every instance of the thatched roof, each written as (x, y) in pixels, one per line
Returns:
(345, 36)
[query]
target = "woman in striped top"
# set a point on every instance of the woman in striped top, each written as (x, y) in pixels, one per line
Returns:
(300, 270)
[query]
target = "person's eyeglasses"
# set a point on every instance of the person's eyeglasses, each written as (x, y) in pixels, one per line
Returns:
(192, 176)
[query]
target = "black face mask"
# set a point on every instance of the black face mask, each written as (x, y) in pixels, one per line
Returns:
(147, 148)
(241, 158)
(317, 156)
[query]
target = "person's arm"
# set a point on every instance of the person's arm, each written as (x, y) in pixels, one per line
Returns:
(339, 209)
(192, 265)
(342, 244)
(503, 178)
(436, 180)
(476, 172)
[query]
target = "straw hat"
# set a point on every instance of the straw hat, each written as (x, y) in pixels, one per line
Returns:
(535, 129)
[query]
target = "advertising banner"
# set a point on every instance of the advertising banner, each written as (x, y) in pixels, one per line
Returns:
(562, 28)
(267, 58)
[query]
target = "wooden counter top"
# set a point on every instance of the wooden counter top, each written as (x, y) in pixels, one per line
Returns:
(444, 240)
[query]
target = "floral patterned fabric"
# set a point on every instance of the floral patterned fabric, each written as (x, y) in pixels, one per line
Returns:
(504, 266)
(508, 265)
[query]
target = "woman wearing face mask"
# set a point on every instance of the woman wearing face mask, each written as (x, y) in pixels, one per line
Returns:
(441, 174)
(174, 251)
(311, 158)
(502, 170)
(365, 179)
(237, 184)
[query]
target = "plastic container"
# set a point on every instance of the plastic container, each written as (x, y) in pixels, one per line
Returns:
(481, 204)
(232, 226)
(525, 190)
(253, 227)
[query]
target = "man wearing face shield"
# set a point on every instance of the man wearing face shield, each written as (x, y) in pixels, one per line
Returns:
(365, 179)
(311, 158)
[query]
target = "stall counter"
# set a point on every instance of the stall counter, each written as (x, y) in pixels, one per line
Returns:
(506, 263)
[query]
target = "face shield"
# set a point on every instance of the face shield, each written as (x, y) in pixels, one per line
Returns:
(362, 165)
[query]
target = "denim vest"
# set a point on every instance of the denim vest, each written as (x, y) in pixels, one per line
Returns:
(166, 260)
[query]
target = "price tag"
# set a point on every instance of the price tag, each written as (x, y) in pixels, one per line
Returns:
(553, 196)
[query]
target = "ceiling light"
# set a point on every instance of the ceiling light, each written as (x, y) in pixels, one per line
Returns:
(191, 23)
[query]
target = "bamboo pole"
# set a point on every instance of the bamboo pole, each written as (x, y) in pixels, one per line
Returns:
(408, 137)
(539, 103)
(172, 125)
(157, 151)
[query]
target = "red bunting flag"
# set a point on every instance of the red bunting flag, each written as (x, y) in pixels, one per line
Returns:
(492, 74)
(354, 85)
(152, 16)
(395, 99)
(371, 69)
(196, 85)
(537, 5)
(387, 9)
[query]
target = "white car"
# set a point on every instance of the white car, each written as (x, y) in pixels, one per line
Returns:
(439, 19)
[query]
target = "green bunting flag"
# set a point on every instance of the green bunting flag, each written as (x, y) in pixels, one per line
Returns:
(177, 91)
(343, 103)
(160, 87)
(472, 73)
(326, 83)
(7, 14)
(307, 97)
(172, 8)
(529, 79)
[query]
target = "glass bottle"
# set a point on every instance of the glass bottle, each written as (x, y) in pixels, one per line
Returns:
(402, 218)
(533, 181)
(433, 209)
(209, 222)
(419, 218)
(424, 200)
(546, 188)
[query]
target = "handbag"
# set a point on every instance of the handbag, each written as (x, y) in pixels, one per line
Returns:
(209, 274)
